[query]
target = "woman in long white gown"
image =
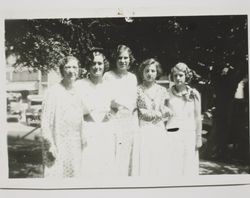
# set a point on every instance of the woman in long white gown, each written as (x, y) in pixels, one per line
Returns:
(185, 104)
(123, 87)
(62, 124)
(152, 142)
(99, 153)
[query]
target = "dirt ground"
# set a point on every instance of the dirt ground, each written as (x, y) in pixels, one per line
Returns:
(25, 161)
(217, 168)
(28, 170)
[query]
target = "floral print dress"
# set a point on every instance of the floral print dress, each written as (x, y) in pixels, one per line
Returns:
(152, 142)
(62, 125)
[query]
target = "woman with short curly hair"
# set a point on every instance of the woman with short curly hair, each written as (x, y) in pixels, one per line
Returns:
(123, 89)
(98, 155)
(61, 124)
(185, 103)
(152, 111)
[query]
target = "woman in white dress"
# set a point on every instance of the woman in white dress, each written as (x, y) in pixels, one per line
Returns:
(123, 87)
(152, 111)
(99, 153)
(185, 104)
(62, 124)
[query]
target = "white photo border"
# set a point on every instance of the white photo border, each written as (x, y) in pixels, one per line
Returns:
(124, 11)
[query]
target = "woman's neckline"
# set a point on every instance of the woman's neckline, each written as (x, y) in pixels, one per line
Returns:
(69, 89)
(96, 81)
(178, 93)
(67, 85)
(120, 75)
(148, 85)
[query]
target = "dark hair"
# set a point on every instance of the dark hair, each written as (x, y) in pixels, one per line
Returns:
(183, 68)
(90, 58)
(116, 54)
(63, 61)
(150, 61)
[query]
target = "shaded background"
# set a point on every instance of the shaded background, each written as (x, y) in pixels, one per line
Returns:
(200, 41)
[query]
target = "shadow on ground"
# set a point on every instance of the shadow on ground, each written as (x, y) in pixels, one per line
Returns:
(25, 161)
(217, 168)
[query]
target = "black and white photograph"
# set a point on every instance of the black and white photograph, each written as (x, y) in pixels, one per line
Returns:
(127, 97)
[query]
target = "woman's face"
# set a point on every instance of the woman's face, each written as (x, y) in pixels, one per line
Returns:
(97, 67)
(179, 78)
(123, 61)
(150, 73)
(71, 70)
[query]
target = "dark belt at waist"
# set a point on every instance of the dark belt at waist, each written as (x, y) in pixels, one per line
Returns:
(173, 130)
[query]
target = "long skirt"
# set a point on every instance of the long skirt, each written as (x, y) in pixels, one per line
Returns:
(154, 151)
(67, 162)
(125, 129)
(98, 157)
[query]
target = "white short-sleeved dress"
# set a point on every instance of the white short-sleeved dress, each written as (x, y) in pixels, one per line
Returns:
(184, 119)
(123, 91)
(98, 156)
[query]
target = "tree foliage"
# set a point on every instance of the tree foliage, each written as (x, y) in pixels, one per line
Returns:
(200, 41)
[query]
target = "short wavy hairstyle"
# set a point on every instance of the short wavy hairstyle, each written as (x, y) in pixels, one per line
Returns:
(116, 54)
(183, 68)
(63, 61)
(90, 58)
(147, 62)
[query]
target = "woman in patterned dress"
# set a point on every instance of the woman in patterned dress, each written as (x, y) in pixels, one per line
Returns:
(123, 87)
(152, 141)
(99, 153)
(185, 104)
(62, 124)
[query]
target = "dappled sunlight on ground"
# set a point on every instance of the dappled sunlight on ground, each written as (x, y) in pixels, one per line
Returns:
(25, 161)
(213, 168)
(29, 170)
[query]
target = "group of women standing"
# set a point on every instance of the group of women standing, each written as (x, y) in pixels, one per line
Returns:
(107, 125)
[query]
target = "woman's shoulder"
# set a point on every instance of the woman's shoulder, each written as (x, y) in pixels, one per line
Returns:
(109, 74)
(81, 83)
(164, 92)
(161, 89)
(131, 75)
(193, 91)
(132, 78)
(53, 92)
(54, 88)
(140, 88)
